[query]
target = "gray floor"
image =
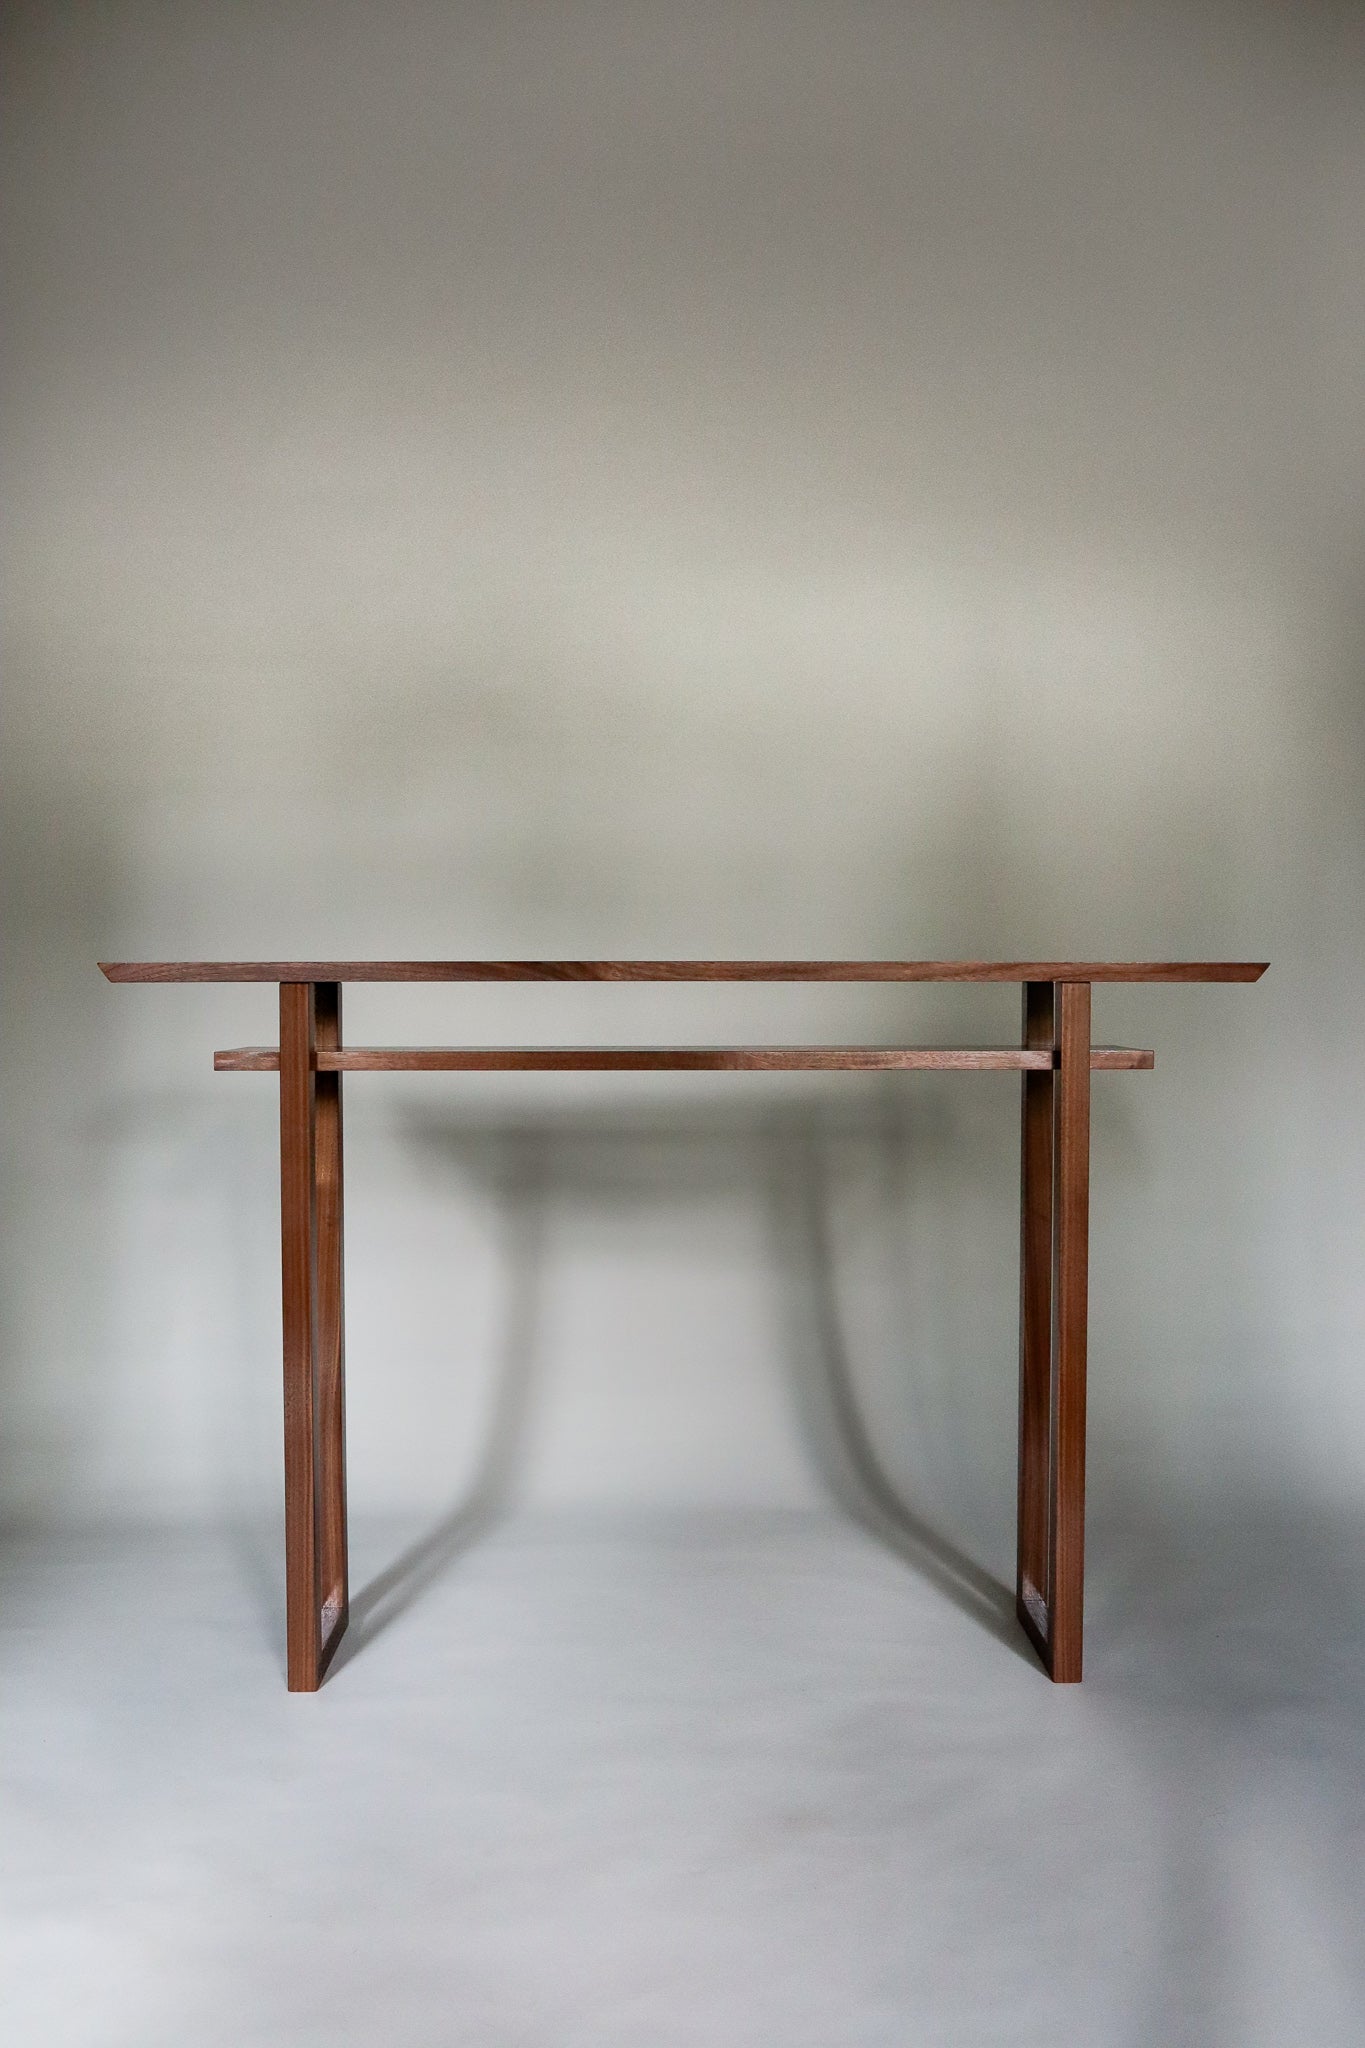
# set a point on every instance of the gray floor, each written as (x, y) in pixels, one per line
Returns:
(749, 1780)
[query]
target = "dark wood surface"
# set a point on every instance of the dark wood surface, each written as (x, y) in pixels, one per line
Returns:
(330, 1329)
(1055, 1063)
(1035, 1317)
(683, 970)
(298, 1137)
(1070, 1286)
(442, 1059)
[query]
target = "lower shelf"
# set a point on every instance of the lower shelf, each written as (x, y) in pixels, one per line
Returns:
(617, 1059)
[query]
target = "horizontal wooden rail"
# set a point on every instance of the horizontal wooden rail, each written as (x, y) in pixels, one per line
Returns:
(683, 970)
(619, 1059)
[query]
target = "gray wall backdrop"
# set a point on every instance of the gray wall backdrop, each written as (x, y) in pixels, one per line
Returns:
(667, 480)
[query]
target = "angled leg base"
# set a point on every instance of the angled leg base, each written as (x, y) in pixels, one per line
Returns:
(331, 1628)
(1031, 1609)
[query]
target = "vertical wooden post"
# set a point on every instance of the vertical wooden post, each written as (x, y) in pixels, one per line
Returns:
(311, 1194)
(330, 1330)
(1054, 1264)
(1035, 1321)
(1070, 1289)
(298, 1272)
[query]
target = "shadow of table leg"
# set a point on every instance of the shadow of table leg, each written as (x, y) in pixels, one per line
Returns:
(837, 1433)
(395, 1589)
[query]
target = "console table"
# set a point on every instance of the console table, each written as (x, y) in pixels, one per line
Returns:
(1055, 1059)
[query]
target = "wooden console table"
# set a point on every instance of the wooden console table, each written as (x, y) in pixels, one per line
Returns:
(1055, 1059)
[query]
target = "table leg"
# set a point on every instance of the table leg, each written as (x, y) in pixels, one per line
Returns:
(1054, 1241)
(330, 1331)
(310, 1264)
(1070, 1288)
(1035, 1321)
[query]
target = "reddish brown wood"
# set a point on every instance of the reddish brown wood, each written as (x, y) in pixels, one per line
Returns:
(1035, 1319)
(298, 1142)
(429, 1059)
(683, 970)
(1070, 1284)
(333, 1584)
(1056, 1060)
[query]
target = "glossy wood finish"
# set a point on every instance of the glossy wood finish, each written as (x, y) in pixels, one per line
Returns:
(439, 1059)
(683, 970)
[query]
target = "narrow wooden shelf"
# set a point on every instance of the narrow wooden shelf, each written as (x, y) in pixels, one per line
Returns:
(619, 1059)
(683, 970)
